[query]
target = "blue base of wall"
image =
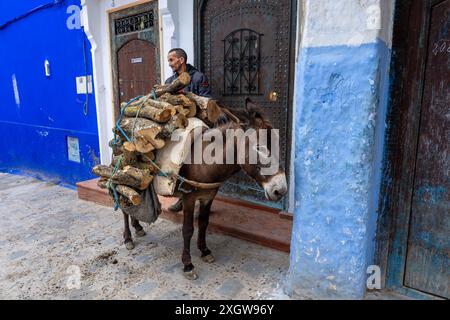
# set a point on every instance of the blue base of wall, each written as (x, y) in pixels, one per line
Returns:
(42, 153)
(39, 111)
(338, 152)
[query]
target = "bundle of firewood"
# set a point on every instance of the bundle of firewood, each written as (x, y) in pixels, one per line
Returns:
(144, 127)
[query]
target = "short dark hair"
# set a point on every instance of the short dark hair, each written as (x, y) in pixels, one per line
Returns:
(180, 53)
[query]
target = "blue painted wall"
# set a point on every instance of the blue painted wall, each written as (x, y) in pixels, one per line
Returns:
(341, 107)
(33, 133)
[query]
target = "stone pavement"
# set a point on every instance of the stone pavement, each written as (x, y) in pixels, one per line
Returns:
(55, 246)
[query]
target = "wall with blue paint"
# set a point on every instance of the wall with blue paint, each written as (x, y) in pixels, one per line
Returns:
(342, 81)
(38, 116)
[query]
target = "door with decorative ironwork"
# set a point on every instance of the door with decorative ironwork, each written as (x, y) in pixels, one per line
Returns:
(246, 49)
(135, 52)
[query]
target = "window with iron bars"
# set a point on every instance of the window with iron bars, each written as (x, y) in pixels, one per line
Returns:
(242, 62)
(134, 23)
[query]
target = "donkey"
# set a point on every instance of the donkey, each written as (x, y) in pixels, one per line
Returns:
(275, 186)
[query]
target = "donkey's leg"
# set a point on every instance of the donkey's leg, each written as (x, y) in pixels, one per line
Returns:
(127, 233)
(188, 231)
(139, 229)
(203, 221)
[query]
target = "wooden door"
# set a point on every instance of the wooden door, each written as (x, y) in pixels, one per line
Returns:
(427, 261)
(135, 51)
(136, 67)
(246, 48)
(417, 184)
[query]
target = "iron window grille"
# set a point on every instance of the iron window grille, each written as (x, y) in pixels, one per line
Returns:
(134, 23)
(242, 62)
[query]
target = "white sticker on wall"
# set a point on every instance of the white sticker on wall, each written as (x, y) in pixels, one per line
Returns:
(73, 149)
(136, 60)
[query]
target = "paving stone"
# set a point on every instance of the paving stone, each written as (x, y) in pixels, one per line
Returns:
(253, 268)
(17, 254)
(174, 294)
(82, 294)
(173, 267)
(143, 289)
(230, 288)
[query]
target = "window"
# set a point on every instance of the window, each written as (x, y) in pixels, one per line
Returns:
(242, 62)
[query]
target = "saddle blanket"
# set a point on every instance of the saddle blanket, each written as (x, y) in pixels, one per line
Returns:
(171, 158)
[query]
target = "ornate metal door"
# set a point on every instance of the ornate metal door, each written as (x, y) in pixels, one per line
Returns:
(135, 51)
(246, 49)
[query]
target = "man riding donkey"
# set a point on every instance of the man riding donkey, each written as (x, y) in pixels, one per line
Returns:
(199, 85)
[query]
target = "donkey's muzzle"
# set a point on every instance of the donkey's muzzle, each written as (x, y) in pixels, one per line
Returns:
(276, 187)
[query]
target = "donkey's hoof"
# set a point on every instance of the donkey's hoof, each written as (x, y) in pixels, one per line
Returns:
(140, 233)
(129, 245)
(209, 258)
(191, 275)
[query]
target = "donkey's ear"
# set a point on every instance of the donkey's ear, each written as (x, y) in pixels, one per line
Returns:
(249, 104)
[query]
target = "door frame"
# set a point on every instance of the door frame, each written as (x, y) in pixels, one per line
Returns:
(127, 10)
(199, 5)
(408, 68)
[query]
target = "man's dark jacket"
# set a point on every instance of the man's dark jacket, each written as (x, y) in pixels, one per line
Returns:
(199, 82)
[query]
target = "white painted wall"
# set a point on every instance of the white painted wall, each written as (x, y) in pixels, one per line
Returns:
(177, 18)
(349, 22)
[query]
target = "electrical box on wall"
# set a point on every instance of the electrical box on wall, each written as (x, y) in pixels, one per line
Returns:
(73, 149)
(84, 85)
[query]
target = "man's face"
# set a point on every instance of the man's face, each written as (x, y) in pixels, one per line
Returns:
(174, 62)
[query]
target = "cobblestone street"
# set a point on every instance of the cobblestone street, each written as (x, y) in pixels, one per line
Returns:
(47, 234)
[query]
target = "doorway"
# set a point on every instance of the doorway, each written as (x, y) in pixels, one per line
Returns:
(135, 52)
(417, 177)
(246, 49)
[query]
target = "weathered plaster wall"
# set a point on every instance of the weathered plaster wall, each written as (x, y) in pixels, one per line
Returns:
(341, 99)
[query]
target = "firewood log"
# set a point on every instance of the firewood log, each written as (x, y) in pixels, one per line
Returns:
(139, 124)
(133, 196)
(184, 111)
(181, 100)
(129, 146)
(173, 110)
(128, 176)
(143, 145)
(149, 135)
(127, 159)
(149, 112)
(180, 83)
(132, 126)
(141, 163)
(146, 166)
(179, 121)
(208, 110)
(158, 104)
(147, 101)
(123, 162)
